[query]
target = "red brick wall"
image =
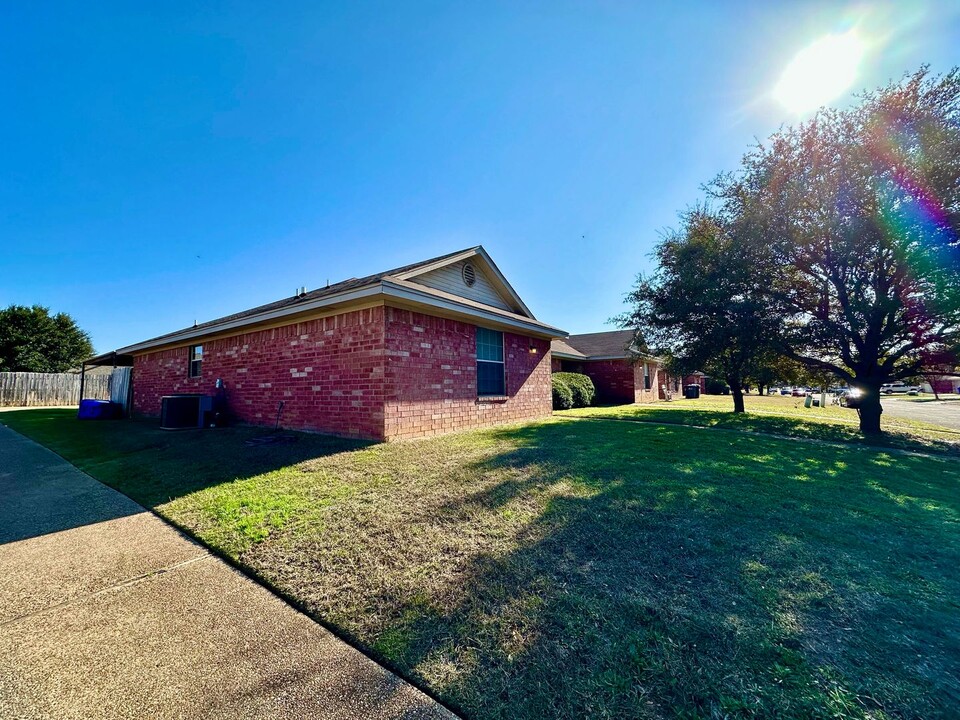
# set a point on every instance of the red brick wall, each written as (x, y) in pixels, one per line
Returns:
(674, 385)
(431, 377)
(380, 373)
(620, 381)
(328, 372)
(642, 395)
(613, 379)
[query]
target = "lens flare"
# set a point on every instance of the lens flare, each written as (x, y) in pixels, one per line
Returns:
(908, 209)
(821, 72)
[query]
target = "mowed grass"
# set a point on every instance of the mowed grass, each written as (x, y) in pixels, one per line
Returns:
(781, 415)
(573, 568)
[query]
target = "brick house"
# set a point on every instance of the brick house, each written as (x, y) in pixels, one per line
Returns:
(620, 372)
(441, 345)
(945, 385)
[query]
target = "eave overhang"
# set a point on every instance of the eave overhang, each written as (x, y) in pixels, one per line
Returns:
(393, 291)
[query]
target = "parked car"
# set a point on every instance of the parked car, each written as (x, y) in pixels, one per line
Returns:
(786, 390)
(799, 392)
(849, 397)
(899, 388)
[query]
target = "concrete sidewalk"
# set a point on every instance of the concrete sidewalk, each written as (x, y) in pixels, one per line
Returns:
(108, 612)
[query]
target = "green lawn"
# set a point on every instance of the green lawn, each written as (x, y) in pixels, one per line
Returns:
(783, 416)
(572, 568)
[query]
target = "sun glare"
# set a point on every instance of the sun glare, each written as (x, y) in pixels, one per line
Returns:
(821, 72)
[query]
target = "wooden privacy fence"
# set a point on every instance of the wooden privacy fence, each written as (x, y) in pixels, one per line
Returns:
(25, 389)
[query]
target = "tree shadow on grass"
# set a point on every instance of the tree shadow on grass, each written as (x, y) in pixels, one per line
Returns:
(735, 579)
(621, 571)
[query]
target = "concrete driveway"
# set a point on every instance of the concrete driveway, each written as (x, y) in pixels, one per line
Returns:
(108, 612)
(938, 412)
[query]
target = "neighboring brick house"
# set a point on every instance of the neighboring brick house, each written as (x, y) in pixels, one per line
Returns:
(620, 373)
(697, 378)
(945, 384)
(441, 345)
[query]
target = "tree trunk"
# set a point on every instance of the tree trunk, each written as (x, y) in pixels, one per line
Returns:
(737, 391)
(870, 410)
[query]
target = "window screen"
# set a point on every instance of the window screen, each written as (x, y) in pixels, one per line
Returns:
(196, 359)
(490, 372)
(646, 376)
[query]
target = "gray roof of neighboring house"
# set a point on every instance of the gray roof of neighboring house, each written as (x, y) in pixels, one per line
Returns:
(560, 347)
(613, 343)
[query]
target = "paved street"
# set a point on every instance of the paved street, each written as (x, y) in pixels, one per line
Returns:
(942, 412)
(108, 612)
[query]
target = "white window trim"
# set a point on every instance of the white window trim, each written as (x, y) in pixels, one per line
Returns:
(191, 360)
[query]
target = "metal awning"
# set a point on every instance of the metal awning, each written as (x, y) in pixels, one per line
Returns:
(112, 358)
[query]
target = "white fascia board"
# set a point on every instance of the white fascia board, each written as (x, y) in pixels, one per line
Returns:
(267, 316)
(421, 270)
(384, 288)
(470, 310)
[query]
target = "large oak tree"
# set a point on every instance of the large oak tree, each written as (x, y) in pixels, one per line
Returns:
(859, 212)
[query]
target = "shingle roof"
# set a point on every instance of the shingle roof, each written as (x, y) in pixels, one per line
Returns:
(613, 343)
(559, 346)
(343, 286)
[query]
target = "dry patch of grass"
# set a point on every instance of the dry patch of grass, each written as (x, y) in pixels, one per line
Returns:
(581, 569)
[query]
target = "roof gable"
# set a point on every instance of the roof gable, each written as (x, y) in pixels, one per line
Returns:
(489, 287)
(453, 278)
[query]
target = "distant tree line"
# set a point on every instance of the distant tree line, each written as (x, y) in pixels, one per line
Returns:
(33, 340)
(833, 250)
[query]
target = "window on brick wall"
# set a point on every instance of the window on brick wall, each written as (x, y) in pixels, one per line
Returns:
(646, 376)
(490, 368)
(196, 360)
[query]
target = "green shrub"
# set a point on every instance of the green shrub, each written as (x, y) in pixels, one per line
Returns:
(562, 394)
(580, 385)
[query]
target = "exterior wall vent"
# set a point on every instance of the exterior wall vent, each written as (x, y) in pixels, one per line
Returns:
(469, 274)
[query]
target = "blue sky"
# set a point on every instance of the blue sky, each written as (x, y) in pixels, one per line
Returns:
(174, 163)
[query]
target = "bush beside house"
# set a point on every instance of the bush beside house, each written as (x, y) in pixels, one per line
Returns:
(562, 394)
(572, 390)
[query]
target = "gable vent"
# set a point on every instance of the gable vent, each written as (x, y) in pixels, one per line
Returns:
(469, 274)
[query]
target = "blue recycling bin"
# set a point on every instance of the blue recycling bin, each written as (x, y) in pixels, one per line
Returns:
(99, 410)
